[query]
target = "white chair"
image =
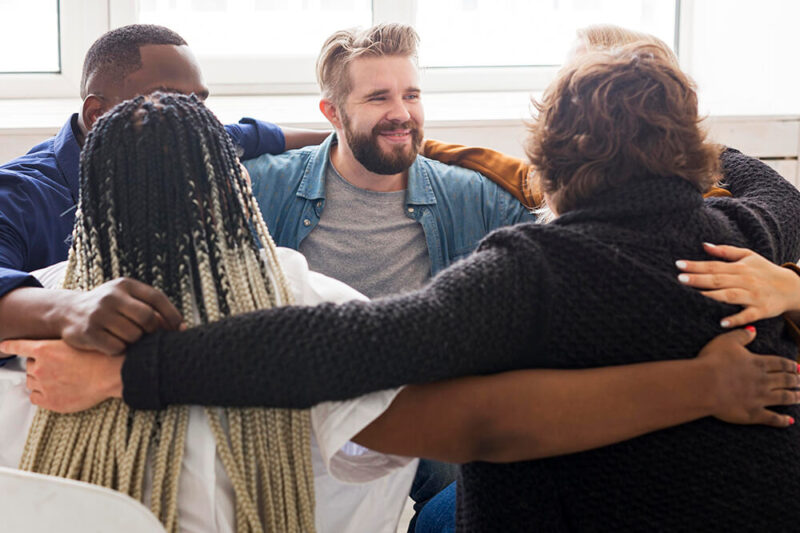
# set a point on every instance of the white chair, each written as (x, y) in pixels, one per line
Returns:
(35, 503)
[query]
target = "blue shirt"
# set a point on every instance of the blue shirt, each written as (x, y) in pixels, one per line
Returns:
(455, 206)
(39, 194)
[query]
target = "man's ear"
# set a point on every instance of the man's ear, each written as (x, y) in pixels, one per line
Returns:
(93, 108)
(331, 112)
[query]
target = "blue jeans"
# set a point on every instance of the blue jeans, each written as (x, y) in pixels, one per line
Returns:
(431, 478)
(439, 514)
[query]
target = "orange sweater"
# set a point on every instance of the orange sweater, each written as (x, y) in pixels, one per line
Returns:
(513, 174)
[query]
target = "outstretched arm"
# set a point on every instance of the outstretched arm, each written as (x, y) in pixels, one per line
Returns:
(772, 201)
(298, 137)
(106, 318)
(257, 137)
(512, 174)
(531, 414)
(514, 416)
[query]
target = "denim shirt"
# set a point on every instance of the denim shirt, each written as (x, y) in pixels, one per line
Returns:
(456, 207)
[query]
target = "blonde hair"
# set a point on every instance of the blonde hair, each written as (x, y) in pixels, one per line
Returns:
(602, 37)
(163, 200)
(388, 39)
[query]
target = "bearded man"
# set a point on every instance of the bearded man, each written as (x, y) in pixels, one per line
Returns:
(364, 207)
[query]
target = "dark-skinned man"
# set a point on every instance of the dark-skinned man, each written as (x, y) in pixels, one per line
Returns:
(39, 194)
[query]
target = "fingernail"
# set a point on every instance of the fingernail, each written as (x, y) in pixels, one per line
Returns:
(710, 245)
(751, 329)
(798, 367)
(683, 278)
(680, 264)
(725, 324)
(791, 421)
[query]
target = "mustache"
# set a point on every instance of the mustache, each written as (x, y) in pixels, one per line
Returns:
(390, 126)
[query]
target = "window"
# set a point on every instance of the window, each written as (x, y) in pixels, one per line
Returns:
(743, 55)
(271, 45)
(741, 52)
(29, 28)
(516, 33)
(256, 42)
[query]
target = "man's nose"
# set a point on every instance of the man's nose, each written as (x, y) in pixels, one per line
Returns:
(399, 111)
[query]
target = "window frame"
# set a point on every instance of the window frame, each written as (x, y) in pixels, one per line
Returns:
(82, 21)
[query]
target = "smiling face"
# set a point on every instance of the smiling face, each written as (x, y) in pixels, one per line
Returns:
(382, 117)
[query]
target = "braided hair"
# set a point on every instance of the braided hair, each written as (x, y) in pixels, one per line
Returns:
(163, 200)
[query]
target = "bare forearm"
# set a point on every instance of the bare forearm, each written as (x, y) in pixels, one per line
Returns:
(298, 138)
(538, 413)
(30, 312)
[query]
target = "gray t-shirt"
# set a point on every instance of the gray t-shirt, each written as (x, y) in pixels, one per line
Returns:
(364, 239)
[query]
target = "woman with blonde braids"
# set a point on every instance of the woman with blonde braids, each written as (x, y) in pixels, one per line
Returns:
(164, 201)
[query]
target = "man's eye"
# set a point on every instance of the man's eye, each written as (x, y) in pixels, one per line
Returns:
(377, 99)
(412, 97)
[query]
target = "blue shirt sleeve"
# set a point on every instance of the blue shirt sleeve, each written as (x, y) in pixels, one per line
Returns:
(256, 137)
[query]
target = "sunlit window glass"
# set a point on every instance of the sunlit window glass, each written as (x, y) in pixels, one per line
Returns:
(29, 36)
(480, 33)
(217, 28)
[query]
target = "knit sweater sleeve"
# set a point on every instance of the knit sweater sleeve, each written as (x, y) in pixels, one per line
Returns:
(473, 318)
(768, 199)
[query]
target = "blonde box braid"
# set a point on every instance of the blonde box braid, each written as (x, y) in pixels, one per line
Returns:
(163, 200)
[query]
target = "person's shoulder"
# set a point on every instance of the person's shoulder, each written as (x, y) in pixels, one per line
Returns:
(454, 180)
(734, 161)
(286, 166)
(287, 157)
(462, 185)
(454, 176)
(31, 165)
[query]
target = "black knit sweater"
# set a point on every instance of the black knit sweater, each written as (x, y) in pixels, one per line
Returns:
(598, 287)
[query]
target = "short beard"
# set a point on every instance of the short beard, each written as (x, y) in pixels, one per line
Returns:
(366, 150)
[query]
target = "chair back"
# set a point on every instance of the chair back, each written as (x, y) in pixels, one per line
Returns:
(35, 503)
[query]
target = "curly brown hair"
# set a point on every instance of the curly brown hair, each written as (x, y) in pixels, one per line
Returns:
(617, 115)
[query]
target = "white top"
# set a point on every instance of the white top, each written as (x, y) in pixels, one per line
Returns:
(356, 489)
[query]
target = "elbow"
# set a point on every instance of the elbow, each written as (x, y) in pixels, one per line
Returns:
(486, 438)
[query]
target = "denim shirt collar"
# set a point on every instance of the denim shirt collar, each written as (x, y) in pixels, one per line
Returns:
(312, 186)
(68, 154)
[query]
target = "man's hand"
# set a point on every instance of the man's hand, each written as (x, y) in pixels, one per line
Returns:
(64, 379)
(745, 278)
(113, 315)
(743, 384)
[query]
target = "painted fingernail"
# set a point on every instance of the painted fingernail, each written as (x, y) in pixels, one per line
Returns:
(680, 264)
(725, 324)
(791, 421)
(710, 245)
(798, 367)
(751, 329)
(683, 278)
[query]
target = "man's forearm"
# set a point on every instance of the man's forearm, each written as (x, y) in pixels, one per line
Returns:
(32, 313)
(298, 138)
(540, 413)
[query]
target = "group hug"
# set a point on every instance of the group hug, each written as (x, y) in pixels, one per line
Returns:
(251, 328)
